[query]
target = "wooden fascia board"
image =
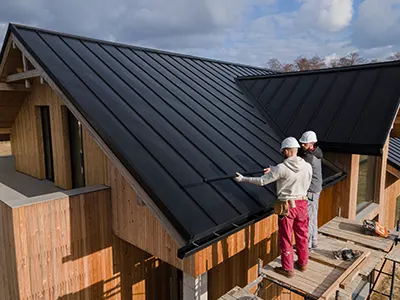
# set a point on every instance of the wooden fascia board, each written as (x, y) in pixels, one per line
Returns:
(15, 87)
(5, 56)
(114, 160)
(24, 75)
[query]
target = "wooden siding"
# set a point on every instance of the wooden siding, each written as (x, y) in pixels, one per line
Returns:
(241, 268)
(342, 195)
(8, 266)
(380, 183)
(327, 206)
(392, 191)
(26, 138)
(96, 162)
(65, 249)
(10, 104)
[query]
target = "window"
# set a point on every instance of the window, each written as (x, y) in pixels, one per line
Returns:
(366, 181)
(76, 150)
(47, 143)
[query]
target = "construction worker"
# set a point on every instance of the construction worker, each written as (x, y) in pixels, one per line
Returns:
(293, 178)
(313, 156)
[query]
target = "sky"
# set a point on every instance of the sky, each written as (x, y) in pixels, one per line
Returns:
(245, 31)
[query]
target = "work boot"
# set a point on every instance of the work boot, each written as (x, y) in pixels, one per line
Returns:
(284, 272)
(299, 267)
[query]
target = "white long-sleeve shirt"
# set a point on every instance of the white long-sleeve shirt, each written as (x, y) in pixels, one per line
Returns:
(293, 178)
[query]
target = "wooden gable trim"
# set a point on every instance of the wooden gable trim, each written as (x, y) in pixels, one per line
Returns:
(114, 160)
(5, 56)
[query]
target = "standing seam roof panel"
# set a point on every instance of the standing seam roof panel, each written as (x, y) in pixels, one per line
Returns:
(172, 121)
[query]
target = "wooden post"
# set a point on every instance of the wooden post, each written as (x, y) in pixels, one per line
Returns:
(25, 64)
(380, 182)
(195, 288)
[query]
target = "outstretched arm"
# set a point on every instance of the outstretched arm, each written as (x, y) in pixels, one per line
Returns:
(270, 176)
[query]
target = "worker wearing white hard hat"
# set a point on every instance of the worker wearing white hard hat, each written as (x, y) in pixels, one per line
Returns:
(293, 178)
(313, 155)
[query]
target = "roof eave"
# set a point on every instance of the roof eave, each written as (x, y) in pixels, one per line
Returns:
(199, 244)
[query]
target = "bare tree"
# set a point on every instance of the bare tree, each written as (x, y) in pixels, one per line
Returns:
(303, 63)
(394, 56)
(275, 65)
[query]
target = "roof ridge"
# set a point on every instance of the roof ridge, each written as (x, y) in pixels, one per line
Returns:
(326, 70)
(134, 47)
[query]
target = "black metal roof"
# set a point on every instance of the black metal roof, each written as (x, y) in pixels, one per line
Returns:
(394, 152)
(351, 109)
(172, 120)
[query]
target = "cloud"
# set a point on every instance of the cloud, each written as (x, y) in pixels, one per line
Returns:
(378, 24)
(328, 15)
(246, 31)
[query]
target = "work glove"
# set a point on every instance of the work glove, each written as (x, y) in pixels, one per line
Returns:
(239, 177)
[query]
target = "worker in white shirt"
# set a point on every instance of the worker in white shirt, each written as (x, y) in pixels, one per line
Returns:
(293, 178)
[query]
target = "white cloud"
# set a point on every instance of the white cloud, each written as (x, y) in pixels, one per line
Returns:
(378, 24)
(224, 29)
(328, 15)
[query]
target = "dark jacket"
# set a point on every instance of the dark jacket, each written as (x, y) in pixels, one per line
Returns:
(314, 159)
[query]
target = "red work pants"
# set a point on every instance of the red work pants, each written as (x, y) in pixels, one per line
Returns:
(296, 221)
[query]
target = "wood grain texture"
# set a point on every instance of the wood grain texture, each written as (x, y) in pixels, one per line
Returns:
(96, 162)
(65, 249)
(10, 104)
(392, 191)
(8, 267)
(343, 194)
(394, 254)
(380, 182)
(240, 269)
(26, 140)
(353, 231)
(335, 285)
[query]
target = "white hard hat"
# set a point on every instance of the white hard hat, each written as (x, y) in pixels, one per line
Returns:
(308, 137)
(289, 142)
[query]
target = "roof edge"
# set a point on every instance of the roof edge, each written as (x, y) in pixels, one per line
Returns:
(325, 70)
(140, 48)
(5, 41)
(201, 243)
(373, 150)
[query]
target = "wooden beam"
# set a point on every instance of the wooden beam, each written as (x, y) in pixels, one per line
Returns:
(368, 213)
(114, 160)
(5, 130)
(7, 50)
(24, 75)
(332, 289)
(392, 170)
(25, 64)
(15, 87)
(380, 181)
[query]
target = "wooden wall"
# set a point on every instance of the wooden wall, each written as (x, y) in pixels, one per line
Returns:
(257, 241)
(392, 191)
(65, 249)
(8, 266)
(343, 194)
(27, 142)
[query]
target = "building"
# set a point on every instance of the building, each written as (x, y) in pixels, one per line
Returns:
(120, 146)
